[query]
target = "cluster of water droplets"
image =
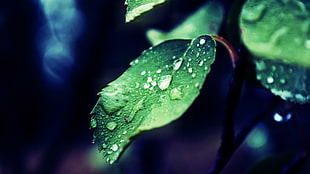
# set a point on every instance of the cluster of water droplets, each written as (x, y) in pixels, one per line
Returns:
(290, 82)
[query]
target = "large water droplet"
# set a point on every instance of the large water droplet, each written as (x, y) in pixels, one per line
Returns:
(143, 72)
(93, 123)
(202, 41)
(158, 71)
(114, 147)
(111, 125)
(149, 79)
(164, 82)
(177, 63)
(270, 79)
(282, 117)
(176, 93)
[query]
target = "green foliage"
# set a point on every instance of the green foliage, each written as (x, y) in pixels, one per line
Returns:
(158, 88)
(279, 38)
(136, 8)
(290, 82)
(277, 30)
(206, 20)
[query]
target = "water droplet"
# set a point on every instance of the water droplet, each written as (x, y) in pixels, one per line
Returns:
(93, 142)
(176, 93)
(200, 63)
(197, 55)
(260, 65)
(300, 97)
(114, 147)
(104, 146)
(190, 70)
(259, 76)
(158, 71)
(189, 59)
(164, 82)
(173, 57)
(270, 79)
(177, 64)
(137, 61)
(202, 41)
(125, 132)
(109, 153)
(280, 118)
(206, 68)
(143, 72)
(153, 83)
(93, 123)
(282, 80)
(111, 125)
(149, 79)
(146, 86)
(196, 85)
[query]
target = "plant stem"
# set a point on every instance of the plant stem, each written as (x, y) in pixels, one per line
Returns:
(224, 159)
(226, 149)
(232, 52)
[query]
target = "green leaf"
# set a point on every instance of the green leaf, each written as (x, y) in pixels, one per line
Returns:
(277, 30)
(290, 82)
(206, 20)
(158, 88)
(137, 7)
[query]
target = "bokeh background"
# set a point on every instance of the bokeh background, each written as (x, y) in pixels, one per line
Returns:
(56, 55)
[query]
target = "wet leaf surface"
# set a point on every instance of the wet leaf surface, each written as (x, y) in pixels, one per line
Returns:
(136, 8)
(158, 88)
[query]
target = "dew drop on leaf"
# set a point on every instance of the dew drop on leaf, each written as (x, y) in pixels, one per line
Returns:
(177, 64)
(93, 123)
(111, 125)
(164, 82)
(114, 147)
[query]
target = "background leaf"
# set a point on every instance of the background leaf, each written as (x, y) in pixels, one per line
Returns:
(137, 7)
(290, 82)
(206, 20)
(277, 33)
(277, 30)
(158, 88)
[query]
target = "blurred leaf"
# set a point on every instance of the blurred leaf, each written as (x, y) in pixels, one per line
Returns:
(290, 82)
(206, 20)
(158, 88)
(278, 34)
(137, 7)
(277, 30)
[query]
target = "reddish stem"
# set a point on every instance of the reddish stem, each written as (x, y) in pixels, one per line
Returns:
(232, 52)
